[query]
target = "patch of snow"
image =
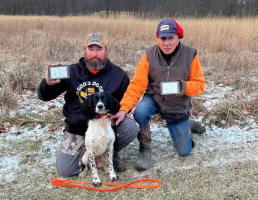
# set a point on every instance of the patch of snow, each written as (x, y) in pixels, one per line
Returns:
(216, 147)
(214, 94)
(46, 155)
(50, 148)
(9, 165)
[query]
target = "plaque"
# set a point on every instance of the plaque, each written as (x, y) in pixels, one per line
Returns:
(172, 87)
(58, 72)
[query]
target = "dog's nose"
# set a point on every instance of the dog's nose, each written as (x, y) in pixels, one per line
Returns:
(100, 107)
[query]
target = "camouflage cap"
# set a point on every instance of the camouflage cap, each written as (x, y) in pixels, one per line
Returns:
(95, 38)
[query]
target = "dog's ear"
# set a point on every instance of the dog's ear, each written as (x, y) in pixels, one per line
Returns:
(87, 107)
(112, 104)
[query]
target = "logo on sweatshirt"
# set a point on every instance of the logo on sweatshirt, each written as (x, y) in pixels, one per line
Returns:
(88, 88)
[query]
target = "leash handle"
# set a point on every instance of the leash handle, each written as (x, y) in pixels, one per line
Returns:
(81, 184)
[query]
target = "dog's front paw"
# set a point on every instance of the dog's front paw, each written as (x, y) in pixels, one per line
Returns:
(96, 182)
(81, 175)
(114, 177)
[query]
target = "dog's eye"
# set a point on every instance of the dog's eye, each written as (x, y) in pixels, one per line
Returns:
(102, 97)
(96, 98)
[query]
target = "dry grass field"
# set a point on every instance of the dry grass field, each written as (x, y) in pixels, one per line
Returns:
(228, 51)
(227, 48)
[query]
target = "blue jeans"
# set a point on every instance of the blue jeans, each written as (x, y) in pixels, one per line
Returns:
(178, 132)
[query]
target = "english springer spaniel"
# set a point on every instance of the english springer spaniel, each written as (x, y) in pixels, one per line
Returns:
(99, 137)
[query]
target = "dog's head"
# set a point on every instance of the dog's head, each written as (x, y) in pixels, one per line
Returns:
(100, 103)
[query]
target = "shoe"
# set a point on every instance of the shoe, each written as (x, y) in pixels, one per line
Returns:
(193, 144)
(196, 127)
(118, 163)
(144, 158)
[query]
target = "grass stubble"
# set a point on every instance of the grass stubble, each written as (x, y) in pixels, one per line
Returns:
(228, 50)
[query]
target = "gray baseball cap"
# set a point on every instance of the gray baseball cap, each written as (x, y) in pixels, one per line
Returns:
(95, 38)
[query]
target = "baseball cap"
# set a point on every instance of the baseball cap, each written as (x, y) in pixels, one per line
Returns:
(169, 27)
(95, 38)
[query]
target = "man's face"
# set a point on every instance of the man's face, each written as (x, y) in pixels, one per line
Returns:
(95, 56)
(168, 44)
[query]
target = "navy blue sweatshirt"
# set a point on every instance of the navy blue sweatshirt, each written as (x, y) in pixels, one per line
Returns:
(81, 83)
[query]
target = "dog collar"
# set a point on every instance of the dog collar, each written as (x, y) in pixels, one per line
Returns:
(101, 115)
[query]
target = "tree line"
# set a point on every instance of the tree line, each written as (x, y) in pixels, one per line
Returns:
(144, 8)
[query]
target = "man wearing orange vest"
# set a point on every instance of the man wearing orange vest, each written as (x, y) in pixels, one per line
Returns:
(168, 75)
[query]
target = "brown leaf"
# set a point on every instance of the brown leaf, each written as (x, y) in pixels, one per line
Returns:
(2, 129)
(6, 124)
(19, 119)
(53, 128)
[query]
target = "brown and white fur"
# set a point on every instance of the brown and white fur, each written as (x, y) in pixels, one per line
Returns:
(99, 137)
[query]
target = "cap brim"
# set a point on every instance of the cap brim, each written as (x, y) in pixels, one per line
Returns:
(96, 43)
(166, 34)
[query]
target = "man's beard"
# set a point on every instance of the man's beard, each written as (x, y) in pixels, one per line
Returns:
(95, 65)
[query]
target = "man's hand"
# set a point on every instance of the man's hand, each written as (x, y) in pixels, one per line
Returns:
(182, 87)
(52, 82)
(118, 117)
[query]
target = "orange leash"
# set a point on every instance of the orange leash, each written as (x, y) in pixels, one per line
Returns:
(81, 184)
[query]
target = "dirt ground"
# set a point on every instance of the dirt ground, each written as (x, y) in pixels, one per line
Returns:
(223, 164)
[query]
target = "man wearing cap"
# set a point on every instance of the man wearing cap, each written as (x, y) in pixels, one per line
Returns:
(93, 73)
(170, 74)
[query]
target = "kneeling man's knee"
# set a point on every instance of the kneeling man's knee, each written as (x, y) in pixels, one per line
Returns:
(126, 132)
(68, 165)
(184, 151)
(64, 172)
